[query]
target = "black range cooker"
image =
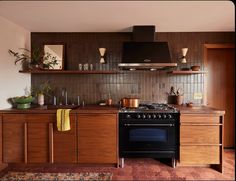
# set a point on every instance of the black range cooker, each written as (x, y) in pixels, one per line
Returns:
(151, 130)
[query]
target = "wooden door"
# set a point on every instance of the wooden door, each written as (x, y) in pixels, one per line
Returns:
(65, 143)
(97, 138)
(220, 87)
(13, 138)
(39, 133)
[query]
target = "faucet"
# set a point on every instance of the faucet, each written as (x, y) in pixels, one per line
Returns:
(64, 94)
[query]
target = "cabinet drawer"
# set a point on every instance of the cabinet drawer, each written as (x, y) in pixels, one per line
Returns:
(199, 119)
(200, 134)
(194, 155)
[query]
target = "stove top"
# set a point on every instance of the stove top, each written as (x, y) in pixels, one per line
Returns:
(152, 108)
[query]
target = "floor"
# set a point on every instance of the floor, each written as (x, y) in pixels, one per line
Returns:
(150, 169)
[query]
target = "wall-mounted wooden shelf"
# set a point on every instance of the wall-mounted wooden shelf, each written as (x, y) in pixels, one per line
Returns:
(71, 72)
(187, 72)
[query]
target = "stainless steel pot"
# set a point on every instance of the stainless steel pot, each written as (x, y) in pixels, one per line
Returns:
(130, 102)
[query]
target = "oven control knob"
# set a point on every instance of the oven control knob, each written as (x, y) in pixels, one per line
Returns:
(138, 116)
(144, 116)
(169, 116)
(159, 116)
(128, 116)
(154, 116)
(164, 116)
(149, 116)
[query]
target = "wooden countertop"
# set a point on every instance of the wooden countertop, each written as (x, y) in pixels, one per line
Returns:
(199, 110)
(76, 109)
(110, 109)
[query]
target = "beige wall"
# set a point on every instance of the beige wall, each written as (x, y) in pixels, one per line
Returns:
(12, 83)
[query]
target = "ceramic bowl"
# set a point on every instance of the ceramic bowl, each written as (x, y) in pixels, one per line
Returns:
(195, 68)
(23, 99)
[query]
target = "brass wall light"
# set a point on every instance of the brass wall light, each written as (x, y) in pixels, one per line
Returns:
(102, 53)
(183, 58)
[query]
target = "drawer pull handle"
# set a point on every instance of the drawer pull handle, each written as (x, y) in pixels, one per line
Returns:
(194, 124)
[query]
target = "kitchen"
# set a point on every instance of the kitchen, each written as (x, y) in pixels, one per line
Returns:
(95, 84)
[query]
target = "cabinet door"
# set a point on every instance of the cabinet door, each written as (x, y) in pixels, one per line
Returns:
(97, 138)
(39, 137)
(65, 143)
(13, 138)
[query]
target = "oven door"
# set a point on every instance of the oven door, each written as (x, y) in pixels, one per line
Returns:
(147, 138)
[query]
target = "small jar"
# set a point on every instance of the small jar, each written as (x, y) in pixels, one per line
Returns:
(80, 66)
(91, 66)
(85, 66)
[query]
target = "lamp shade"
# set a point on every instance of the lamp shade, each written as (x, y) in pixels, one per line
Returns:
(183, 60)
(102, 51)
(184, 51)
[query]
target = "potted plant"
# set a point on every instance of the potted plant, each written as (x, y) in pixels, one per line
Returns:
(41, 91)
(35, 59)
(175, 97)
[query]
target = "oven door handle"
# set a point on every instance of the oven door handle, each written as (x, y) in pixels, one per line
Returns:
(151, 125)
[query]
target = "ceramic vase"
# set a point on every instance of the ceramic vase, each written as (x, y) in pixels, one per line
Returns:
(41, 99)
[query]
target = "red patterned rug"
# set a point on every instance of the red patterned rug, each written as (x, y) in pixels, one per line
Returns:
(23, 176)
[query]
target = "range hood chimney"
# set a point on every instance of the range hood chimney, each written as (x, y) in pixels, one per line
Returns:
(143, 33)
(144, 53)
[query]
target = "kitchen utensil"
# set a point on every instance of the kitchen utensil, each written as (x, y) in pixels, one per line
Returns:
(109, 102)
(130, 102)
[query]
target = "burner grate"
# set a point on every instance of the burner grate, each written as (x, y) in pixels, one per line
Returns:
(160, 107)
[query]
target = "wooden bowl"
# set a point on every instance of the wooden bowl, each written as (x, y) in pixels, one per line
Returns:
(189, 104)
(195, 68)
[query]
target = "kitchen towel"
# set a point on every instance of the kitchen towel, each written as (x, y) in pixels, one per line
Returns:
(63, 119)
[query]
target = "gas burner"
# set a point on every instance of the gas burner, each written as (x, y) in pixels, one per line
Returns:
(152, 107)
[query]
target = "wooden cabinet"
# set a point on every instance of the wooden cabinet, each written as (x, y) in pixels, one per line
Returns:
(46, 144)
(39, 144)
(13, 126)
(97, 138)
(33, 138)
(65, 143)
(201, 140)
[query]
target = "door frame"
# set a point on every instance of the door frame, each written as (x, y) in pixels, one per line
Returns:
(206, 47)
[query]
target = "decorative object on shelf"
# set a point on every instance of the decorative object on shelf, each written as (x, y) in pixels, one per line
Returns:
(33, 60)
(91, 66)
(80, 66)
(195, 68)
(183, 58)
(56, 51)
(86, 66)
(175, 97)
(102, 53)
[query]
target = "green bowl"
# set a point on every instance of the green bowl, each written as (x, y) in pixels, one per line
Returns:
(23, 100)
(23, 106)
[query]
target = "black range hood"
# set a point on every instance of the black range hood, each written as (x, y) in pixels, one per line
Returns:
(144, 53)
